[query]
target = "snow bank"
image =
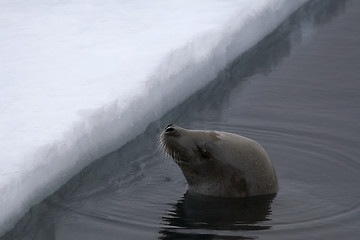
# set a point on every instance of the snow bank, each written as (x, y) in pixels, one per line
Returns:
(81, 78)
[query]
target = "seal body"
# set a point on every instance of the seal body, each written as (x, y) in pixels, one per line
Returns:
(220, 164)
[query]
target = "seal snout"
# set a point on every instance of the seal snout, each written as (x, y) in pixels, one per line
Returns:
(171, 130)
(169, 141)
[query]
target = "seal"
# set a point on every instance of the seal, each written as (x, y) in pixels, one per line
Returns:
(220, 164)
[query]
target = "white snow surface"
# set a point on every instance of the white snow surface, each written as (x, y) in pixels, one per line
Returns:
(80, 78)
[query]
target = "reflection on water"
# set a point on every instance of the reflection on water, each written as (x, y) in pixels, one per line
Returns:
(210, 213)
(208, 103)
(306, 122)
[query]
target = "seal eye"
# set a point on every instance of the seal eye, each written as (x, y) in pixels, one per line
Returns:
(204, 153)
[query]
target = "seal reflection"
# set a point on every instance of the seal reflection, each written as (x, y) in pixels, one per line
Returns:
(203, 217)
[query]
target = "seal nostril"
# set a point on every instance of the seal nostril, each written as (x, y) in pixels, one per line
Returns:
(169, 129)
(168, 126)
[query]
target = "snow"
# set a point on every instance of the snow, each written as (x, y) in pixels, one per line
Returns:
(79, 79)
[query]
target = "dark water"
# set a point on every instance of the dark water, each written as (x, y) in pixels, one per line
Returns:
(297, 93)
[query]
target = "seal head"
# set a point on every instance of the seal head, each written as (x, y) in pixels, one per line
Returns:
(220, 164)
